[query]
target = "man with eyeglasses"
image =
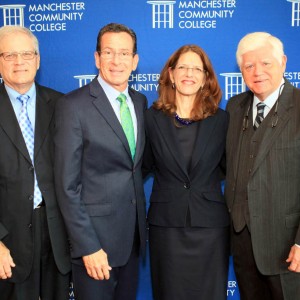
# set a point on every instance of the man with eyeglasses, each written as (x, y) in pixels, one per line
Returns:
(263, 173)
(34, 252)
(99, 145)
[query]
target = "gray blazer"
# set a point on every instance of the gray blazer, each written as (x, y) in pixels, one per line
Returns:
(273, 188)
(99, 187)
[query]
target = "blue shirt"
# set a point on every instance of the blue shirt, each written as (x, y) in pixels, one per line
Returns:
(17, 104)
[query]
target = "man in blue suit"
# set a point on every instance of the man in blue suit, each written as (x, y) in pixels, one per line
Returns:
(98, 172)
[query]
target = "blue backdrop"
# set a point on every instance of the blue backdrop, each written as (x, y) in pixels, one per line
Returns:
(67, 33)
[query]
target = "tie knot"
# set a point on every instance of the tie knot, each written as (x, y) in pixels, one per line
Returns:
(260, 105)
(23, 99)
(121, 98)
(260, 108)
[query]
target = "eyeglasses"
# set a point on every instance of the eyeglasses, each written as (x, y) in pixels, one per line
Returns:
(184, 69)
(123, 55)
(27, 55)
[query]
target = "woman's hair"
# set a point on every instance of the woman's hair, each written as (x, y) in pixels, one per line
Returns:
(208, 97)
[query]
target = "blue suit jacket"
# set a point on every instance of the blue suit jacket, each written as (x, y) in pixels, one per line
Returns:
(99, 187)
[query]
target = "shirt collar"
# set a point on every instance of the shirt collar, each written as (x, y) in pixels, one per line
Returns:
(270, 100)
(13, 94)
(111, 92)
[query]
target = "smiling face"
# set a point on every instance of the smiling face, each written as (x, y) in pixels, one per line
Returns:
(18, 74)
(116, 69)
(262, 72)
(188, 75)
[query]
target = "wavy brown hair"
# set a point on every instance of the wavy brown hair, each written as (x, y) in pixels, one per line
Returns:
(207, 99)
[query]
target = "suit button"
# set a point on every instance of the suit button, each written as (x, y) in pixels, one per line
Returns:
(30, 197)
(31, 168)
(186, 185)
(29, 225)
(133, 201)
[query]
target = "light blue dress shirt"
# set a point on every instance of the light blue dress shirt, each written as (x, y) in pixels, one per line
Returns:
(17, 104)
(112, 95)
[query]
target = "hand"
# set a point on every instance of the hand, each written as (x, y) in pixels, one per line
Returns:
(6, 262)
(97, 265)
(294, 259)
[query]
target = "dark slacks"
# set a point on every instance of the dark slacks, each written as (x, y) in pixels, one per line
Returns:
(122, 284)
(189, 263)
(254, 285)
(45, 282)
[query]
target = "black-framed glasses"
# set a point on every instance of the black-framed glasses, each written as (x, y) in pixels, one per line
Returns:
(27, 55)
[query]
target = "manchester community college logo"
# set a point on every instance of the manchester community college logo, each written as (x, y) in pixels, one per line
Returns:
(184, 14)
(13, 14)
(295, 12)
(45, 17)
(162, 13)
(234, 84)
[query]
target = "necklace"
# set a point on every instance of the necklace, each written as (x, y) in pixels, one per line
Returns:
(183, 121)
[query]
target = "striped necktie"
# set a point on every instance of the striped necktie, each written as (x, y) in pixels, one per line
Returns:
(260, 115)
(28, 135)
(127, 124)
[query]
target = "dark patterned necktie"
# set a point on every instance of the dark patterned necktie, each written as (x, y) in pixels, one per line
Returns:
(260, 115)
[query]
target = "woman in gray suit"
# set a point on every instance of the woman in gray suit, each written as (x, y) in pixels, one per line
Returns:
(185, 150)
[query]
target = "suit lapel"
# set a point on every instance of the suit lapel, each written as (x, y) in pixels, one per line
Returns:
(205, 131)
(166, 127)
(43, 116)
(10, 125)
(139, 112)
(271, 134)
(241, 115)
(102, 104)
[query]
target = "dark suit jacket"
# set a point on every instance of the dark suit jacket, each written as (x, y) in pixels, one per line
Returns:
(17, 184)
(174, 189)
(274, 184)
(100, 188)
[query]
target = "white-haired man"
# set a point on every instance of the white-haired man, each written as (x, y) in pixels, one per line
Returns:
(34, 250)
(263, 173)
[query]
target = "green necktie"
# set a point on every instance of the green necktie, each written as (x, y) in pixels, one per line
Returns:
(127, 124)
